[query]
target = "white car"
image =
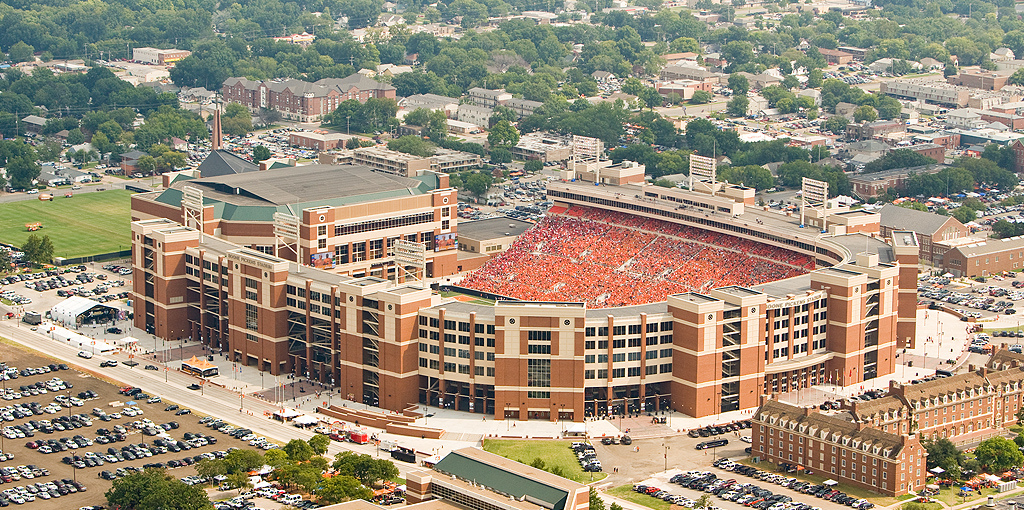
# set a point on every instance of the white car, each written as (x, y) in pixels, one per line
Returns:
(745, 439)
(85, 355)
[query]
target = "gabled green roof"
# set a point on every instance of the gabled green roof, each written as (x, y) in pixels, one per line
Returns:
(501, 480)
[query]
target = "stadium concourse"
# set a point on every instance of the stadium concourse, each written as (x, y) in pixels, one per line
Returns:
(610, 259)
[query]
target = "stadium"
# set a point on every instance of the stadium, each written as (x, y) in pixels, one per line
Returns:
(625, 297)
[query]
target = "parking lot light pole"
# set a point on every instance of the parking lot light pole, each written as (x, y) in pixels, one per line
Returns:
(665, 445)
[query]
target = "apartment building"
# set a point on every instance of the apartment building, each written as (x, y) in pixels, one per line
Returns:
(838, 446)
(301, 100)
(487, 97)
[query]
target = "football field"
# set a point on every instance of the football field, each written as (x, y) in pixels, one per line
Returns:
(83, 225)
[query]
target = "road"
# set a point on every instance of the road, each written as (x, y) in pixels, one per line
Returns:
(107, 184)
(214, 401)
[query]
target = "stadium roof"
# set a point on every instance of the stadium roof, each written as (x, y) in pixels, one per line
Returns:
(256, 196)
(493, 228)
(220, 163)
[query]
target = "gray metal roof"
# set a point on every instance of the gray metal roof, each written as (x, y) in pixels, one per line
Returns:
(220, 163)
(901, 218)
(302, 184)
(492, 228)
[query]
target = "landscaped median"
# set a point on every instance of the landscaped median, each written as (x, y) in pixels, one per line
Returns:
(627, 493)
(555, 455)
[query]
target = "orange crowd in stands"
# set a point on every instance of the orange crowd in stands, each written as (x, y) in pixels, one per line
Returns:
(609, 259)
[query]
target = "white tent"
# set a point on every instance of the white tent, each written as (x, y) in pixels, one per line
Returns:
(577, 429)
(67, 312)
(305, 420)
(127, 341)
(80, 342)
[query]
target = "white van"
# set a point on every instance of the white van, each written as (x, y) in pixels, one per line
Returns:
(290, 499)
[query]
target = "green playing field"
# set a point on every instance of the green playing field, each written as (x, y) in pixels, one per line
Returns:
(86, 224)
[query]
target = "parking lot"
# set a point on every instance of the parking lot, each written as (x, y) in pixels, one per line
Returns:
(88, 429)
(998, 295)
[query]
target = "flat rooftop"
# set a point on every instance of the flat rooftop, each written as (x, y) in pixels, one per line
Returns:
(492, 228)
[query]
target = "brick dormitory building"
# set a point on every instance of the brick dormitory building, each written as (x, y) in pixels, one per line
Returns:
(875, 444)
(224, 274)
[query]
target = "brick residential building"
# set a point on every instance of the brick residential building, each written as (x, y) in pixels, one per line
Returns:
(302, 100)
(840, 447)
(985, 257)
(929, 227)
(835, 56)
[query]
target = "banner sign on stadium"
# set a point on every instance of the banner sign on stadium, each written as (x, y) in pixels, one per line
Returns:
(444, 242)
(322, 260)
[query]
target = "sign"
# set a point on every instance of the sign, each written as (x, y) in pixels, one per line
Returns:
(445, 242)
(322, 260)
(409, 253)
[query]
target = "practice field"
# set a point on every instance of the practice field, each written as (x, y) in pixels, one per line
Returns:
(553, 453)
(86, 224)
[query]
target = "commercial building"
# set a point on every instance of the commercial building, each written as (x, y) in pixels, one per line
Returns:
(544, 147)
(836, 56)
(986, 257)
(700, 74)
(157, 56)
(873, 184)
(523, 107)
(359, 324)
(409, 165)
(930, 228)
(321, 141)
(840, 447)
(302, 100)
(932, 92)
(876, 129)
(980, 79)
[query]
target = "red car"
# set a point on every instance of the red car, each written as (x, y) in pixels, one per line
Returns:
(32, 444)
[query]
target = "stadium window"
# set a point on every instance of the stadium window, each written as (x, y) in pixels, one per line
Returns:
(619, 344)
(434, 364)
(449, 351)
(543, 336)
(665, 368)
(490, 342)
(464, 353)
(652, 354)
(666, 339)
(478, 341)
(423, 347)
(618, 357)
(619, 372)
(250, 283)
(490, 356)
(538, 349)
(490, 331)
(634, 356)
(589, 331)
(602, 373)
(666, 326)
(478, 355)
(490, 371)
(464, 326)
(602, 331)
(602, 344)
(463, 339)
(449, 325)
(589, 358)
(478, 328)
(652, 340)
(434, 322)
(588, 374)
(602, 358)
(634, 329)
(651, 369)
(619, 330)
(478, 370)
(666, 353)
(423, 362)
(423, 320)
(652, 327)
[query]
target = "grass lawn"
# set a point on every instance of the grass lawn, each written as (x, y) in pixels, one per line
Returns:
(468, 299)
(626, 492)
(87, 224)
(877, 499)
(553, 453)
(951, 496)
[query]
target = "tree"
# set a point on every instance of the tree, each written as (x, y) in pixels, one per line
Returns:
(237, 120)
(596, 503)
(361, 13)
(75, 136)
(533, 165)
(814, 79)
(170, 160)
(1017, 78)
(739, 84)
(752, 176)
(298, 450)
(366, 469)
(154, 489)
(412, 144)
(319, 444)
(503, 135)
(500, 155)
(917, 206)
(38, 250)
(704, 501)
(899, 158)
(790, 82)
(21, 52)
(338, 489)
(737, 106)
(998, 454)
(865, 113)
(260, 153)
(5, 261)
(478, 184)
(500, 113)
(836, 124)
(964, 214)
(700, 97)
(146, 164)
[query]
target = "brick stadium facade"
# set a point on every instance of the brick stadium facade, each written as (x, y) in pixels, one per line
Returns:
(392, 345)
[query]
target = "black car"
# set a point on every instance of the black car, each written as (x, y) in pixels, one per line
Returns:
(151, 367)
(183, 411)
(193, 386)
(172, 407)
(114, 331)
(109, 363)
